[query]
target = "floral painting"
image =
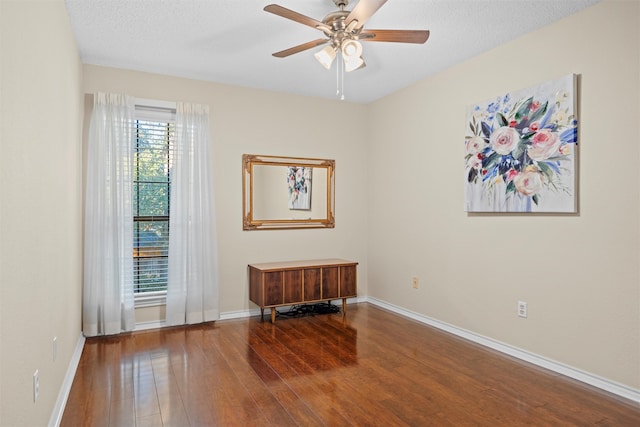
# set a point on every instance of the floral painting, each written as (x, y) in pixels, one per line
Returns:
(299, 184)
(520, 150)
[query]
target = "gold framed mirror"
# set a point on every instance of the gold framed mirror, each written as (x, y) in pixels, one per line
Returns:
(287, 192)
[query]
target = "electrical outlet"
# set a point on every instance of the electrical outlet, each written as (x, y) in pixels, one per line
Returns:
(36, 385)
(522, 309)
(414, 282)
(55, 348)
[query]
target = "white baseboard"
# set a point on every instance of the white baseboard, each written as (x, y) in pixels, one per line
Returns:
(65, 389)
(155, 324)
(586, 377)
(239, 314)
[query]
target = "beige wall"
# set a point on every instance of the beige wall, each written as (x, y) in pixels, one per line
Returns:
(40, 205)
(579, 274)
(260, 122)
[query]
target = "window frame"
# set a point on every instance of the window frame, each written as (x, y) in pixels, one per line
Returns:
(159, 111)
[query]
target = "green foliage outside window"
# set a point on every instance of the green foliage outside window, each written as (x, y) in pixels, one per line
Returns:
(151, 204)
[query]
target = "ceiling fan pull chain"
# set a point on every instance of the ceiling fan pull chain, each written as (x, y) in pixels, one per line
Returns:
(342, 82)
(338, 76)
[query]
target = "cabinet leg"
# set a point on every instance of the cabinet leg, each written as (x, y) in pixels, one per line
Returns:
(344, 307)
(273, 315)
(262, 314)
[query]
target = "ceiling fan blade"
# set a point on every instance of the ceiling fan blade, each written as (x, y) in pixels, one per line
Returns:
(363, 11)
(399, 36)
(300, 48)
(295, 16)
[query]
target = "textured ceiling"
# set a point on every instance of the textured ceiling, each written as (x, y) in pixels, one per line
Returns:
(231, 41)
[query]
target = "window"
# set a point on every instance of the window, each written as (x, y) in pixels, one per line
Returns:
(151, 204)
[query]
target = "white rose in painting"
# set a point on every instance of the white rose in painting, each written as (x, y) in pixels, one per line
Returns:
(528, 182)
(503, 140)
(561, 117)
(475, 145)
(544, 144)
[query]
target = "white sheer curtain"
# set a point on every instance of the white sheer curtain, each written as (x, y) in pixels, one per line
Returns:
(108, 303)
(192, 289)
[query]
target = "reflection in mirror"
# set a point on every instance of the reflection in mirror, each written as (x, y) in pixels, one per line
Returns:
(287, 192)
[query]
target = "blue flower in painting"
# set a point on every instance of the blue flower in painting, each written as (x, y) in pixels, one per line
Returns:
(493, 107)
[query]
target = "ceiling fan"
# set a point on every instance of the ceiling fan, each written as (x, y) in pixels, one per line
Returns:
(344, 31)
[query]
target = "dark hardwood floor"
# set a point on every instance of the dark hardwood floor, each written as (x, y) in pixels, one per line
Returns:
(373, 368)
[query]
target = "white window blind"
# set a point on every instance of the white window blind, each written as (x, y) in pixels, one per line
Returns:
(155, 133)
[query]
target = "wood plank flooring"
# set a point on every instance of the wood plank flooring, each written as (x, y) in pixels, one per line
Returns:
(373, 368)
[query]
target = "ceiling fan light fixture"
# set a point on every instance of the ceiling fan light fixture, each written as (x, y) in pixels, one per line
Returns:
(326, 56)
(352, 55)
(351, 49)
(352, 64)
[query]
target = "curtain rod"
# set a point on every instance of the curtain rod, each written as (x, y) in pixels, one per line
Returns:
(156, 104)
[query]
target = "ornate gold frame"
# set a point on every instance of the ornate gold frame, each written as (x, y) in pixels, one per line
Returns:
(249, 161)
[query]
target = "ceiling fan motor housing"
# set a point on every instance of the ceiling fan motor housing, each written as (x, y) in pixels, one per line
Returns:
(337, 22)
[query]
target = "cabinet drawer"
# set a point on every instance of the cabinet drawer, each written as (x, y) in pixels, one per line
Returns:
(312, 284)
(273, 288)
(348, 281)
(330, 282)
(292, 286)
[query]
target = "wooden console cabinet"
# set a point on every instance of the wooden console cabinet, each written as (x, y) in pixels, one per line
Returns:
(276, 284)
